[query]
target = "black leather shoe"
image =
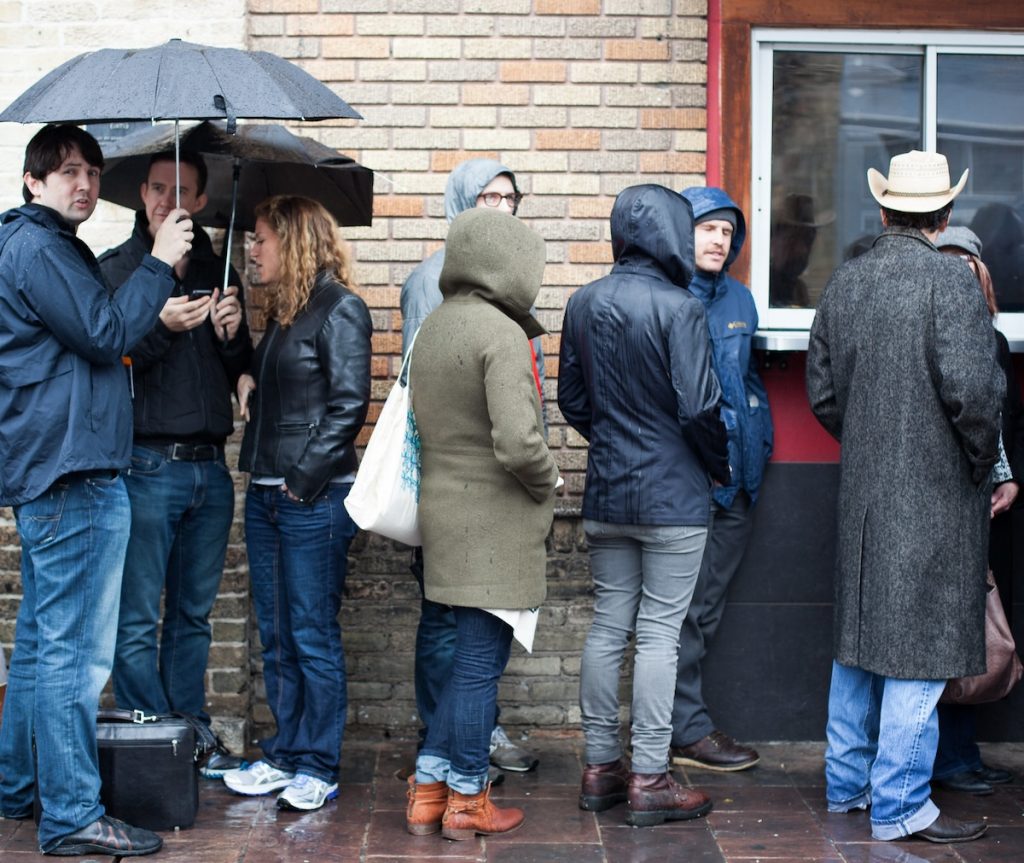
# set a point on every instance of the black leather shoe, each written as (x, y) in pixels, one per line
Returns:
(108, 835)
(965, 782)
(993, 775)
(945, 829)
(717, 751)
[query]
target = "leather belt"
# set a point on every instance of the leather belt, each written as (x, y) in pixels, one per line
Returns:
(188, 451)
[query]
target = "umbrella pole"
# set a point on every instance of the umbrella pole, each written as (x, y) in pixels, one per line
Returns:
(236, 171)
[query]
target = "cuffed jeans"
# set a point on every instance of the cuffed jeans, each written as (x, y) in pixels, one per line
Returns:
(181, 516)
(644, 577)
(723, 554)
(297, 563)
(457, 748)
(73, 540)
(882, 734)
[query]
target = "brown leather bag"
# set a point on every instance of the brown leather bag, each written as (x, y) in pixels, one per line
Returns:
(1002, 665)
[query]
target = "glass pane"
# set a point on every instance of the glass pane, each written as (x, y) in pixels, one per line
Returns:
(980, 114)
(833, 117)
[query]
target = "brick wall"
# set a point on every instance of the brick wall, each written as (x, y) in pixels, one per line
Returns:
(580, 98)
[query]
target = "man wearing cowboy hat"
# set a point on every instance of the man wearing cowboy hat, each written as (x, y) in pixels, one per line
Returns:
(901, 370)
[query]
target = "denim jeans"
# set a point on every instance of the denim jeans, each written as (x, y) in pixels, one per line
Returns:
(644, 577)
(73, 540)
(723, 554)
(882, 733)
(457, 748)
(958, 750)
(297, 563)
(181, 516)
(435, 651)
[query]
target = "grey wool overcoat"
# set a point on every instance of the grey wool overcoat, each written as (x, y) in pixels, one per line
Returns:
(488, 479)
(901, 369)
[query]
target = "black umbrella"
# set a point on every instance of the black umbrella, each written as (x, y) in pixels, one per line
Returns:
(256, 162)
(176, 80)
(180, 81)
(273, 162)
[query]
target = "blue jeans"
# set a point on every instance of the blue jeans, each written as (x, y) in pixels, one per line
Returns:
(457, 748)
(297, 563)
(435, 650)
(644, 577)
(958, 750)
(181, 516)
(882, 734)
(73, 540)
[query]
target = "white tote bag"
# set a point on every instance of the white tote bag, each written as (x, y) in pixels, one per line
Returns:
(385, 496)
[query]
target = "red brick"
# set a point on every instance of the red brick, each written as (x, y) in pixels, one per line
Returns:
(673, 118)
(557, 139)
(397, 205)
(533, 70)
(636, 49)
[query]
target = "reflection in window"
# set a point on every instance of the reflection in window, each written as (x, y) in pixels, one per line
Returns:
(834, 115)
(980, 119)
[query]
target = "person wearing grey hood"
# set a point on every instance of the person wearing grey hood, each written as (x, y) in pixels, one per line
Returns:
(474, 183)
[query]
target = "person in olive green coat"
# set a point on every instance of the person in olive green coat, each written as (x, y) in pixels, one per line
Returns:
(486, 493)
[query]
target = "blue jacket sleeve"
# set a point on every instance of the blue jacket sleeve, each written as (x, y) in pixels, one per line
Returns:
(77, 308)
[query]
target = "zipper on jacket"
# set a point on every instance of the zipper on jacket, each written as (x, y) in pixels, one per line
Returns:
(259, 393)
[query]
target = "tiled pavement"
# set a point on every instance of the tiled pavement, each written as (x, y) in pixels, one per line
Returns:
(774, 812)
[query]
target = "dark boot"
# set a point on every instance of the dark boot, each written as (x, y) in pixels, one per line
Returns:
(469, 815)
(603, 786)
(654, 798)
(427, 802)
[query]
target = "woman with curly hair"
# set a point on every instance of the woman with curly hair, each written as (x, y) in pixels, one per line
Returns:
(304, 404)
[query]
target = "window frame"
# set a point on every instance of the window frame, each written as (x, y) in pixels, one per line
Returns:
(764, 41)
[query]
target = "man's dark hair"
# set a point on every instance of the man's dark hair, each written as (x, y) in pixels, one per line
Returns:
(51, 145)
(932, 221)
(186, 157)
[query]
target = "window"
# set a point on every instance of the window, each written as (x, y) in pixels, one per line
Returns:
(827, 105)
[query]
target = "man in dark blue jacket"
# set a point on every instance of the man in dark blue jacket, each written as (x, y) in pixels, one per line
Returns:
(719, 232)
(184, 372)
(66, 431)
(636, 380)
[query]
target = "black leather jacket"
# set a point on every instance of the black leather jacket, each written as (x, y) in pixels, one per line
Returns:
(182, 382)
(312, 392)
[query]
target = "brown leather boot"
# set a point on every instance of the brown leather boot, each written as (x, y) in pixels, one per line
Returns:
(469, 815)
(427, 802)
(654, 798)
(603, 786)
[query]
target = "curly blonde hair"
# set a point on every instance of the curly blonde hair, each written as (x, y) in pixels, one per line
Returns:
(310, 244)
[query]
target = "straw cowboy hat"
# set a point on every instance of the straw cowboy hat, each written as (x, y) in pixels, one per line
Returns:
(917, 183)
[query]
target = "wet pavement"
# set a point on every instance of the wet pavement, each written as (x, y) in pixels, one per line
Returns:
(775, 812)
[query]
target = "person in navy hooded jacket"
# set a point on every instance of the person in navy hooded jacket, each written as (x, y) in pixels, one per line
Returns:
(719, 232)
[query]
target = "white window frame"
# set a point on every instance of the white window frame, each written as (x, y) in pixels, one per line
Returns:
(785, 327)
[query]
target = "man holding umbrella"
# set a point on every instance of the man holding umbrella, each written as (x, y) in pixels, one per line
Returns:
(181, 493)
(65, 422)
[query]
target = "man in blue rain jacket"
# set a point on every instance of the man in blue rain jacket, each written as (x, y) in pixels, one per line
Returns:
(719, 232)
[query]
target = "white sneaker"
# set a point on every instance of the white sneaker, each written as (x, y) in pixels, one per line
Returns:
(258, 778)
(306, 792)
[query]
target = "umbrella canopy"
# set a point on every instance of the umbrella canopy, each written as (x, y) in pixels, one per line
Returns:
(273, 162)
(177, 80)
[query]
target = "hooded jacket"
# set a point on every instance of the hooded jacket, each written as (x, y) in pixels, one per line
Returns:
(488, 479)
(421, 293)
(182, 381)
(732, 322)
(635, 374)
(64, 400)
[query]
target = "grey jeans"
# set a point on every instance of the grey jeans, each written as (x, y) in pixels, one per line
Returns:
(644, 576)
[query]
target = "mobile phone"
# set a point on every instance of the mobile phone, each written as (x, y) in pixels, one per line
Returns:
(200, 293)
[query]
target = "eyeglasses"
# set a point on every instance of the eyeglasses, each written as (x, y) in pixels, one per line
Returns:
(495, 199)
